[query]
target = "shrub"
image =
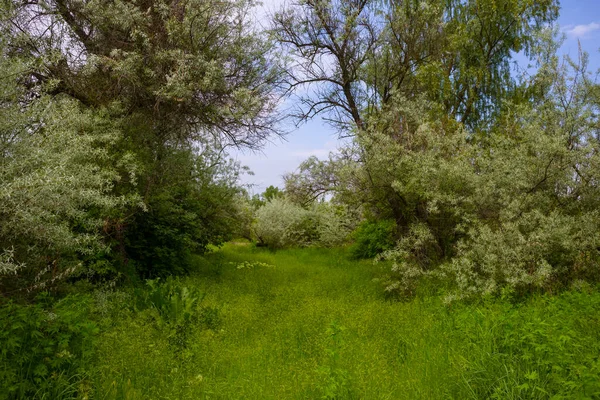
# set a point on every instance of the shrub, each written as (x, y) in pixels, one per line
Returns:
(281, 223)
(414, 258)
(57, 188)
(540, 251)
(513, 208)
(178, 308)
(195, 206)
(45, 353)
(372, 238)
(336, 223)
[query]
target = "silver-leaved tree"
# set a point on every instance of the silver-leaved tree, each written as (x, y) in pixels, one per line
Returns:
(115, 119)
(489, 173)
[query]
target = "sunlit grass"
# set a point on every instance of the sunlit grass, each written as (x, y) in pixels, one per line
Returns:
(310, 323)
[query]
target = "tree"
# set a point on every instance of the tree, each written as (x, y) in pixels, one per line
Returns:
(514, 212)
(174, 82)
(368, 66)
(193, 206)
(487, 175)
(191, 68)
(313, 180)
(350, 57)
(281, 223)
(57, 177)
(271, 193)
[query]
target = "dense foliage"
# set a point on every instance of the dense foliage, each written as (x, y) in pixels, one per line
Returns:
(356, 56)
(114, 121)
(46, 351)
(372, 238)
(282, 223)
(115, 117)
(490, 176)
(512, 208)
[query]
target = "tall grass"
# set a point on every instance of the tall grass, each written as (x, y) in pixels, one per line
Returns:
(310, 323)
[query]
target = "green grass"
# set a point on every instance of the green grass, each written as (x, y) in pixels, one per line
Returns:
(310, 324)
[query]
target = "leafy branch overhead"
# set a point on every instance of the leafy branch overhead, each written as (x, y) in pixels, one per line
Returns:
(349, 58)
(116, 117)
(135, 264)
(487, 171)
(195, 67)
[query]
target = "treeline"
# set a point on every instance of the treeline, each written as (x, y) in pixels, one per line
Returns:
(470, 176)
(116, 117)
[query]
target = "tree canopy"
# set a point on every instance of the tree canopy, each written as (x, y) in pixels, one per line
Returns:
(351, 57)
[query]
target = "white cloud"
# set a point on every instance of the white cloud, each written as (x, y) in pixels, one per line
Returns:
(581, 31)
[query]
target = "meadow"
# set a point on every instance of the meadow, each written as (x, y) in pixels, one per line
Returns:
(250, 323)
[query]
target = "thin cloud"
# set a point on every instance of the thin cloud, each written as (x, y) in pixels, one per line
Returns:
(581, 31)
(322, 152)
(319, 153)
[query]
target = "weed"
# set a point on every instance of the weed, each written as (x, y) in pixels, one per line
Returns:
(46, 352)
(333, 379)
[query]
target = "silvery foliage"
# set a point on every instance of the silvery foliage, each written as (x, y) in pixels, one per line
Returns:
(520, 204)
(54, 172)
(275, 222)
(282, 223)
(336, 222)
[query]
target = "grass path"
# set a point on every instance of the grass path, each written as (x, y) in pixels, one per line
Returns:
(310, 324)
(315, 324)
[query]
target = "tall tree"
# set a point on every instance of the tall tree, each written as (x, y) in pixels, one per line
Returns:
(351, 56)
(191, 67)
(178, 81)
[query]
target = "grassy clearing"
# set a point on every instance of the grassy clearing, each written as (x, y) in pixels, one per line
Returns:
(309, 323)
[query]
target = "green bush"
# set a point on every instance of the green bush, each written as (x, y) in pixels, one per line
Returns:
(545, 349)
(281, 223)
(278, 222)
(46, 352)
(175, 303)
(57, 192)
(306, 230)
(372, 238)
(184, 216)
(178, 308)
(160, 240)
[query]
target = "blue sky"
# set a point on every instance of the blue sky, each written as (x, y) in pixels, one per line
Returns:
(579, 20)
